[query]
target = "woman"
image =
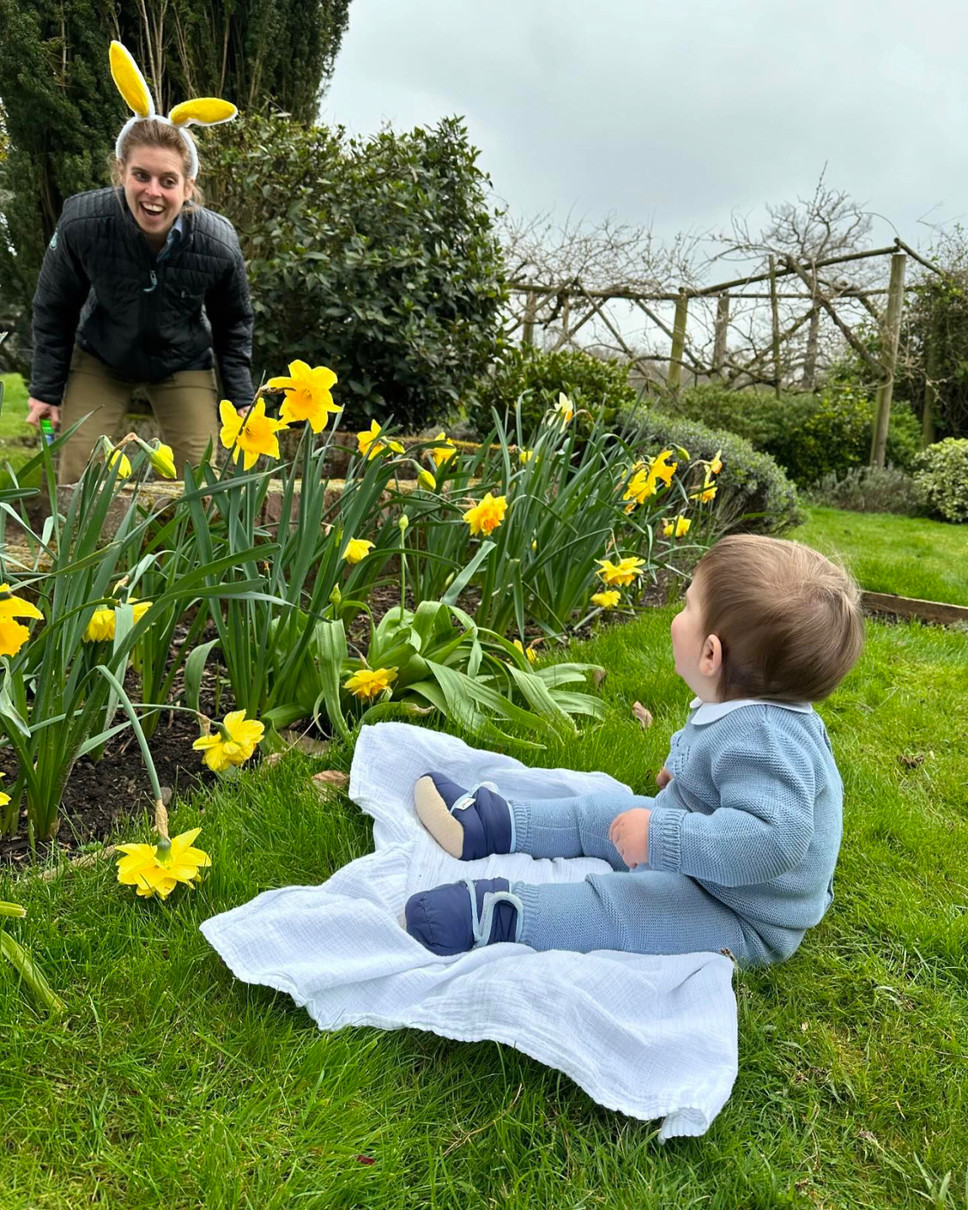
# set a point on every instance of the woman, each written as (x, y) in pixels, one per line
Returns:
(142, 286)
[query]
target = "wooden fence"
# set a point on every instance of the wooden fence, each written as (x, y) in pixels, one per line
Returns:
(562, 311)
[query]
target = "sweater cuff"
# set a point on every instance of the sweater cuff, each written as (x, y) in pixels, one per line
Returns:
(665, 839)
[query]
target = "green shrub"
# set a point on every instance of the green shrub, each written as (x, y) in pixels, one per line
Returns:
(376, 257)
(810, 436)
(537, 378)
(754, 495)
(942, 472)
(871, 489)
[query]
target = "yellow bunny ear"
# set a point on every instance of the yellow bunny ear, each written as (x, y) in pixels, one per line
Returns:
(131, 83)
(205, 111)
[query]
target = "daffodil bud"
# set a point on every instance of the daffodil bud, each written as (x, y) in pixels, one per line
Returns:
(335, 596)
(426, 479)
(403, 523)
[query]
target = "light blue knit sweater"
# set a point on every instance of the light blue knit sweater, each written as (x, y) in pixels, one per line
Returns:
(754, 812)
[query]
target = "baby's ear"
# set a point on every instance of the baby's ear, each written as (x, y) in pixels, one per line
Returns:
(711, 660)
(203, 111)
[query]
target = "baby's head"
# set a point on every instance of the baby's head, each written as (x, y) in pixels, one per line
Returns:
(767, 618)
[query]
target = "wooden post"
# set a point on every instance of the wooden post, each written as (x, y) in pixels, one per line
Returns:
(890, 332)
(530, 315)
(809, 380)
(674, 377)
(775, 309)
(932, 370)
(722, 331)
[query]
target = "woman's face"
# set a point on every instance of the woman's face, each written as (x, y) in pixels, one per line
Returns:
(155, 189)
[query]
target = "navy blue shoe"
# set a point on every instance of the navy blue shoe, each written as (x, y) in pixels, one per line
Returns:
(469, 824)
(455, 917)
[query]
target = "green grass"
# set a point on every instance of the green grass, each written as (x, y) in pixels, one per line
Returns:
(912, 556)
(171, 1083)
(19, 441)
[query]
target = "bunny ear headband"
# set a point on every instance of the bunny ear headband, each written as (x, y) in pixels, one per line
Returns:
(204, 111)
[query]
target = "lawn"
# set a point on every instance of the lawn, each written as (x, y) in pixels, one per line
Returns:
(18, 440)
(171, 1083)
(912, 556)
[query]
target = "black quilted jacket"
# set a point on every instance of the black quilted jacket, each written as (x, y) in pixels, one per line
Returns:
(101, 287)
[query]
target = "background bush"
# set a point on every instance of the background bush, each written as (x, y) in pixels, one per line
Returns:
(376, 257)
(810, 436)
(871, 489)
(539, 377)
(754, 495)
(942, 473)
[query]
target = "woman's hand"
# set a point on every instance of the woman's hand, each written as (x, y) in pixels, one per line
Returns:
(37, 410)
(629, 833)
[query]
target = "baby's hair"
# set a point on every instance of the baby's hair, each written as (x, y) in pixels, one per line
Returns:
(789, 620)
(163, 135)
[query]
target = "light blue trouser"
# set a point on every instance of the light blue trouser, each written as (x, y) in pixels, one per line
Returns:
(643, 911)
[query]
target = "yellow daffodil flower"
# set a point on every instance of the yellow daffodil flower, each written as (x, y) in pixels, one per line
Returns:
(370, 682)
(426, 479)
(607, 599)
(250, 435)
(308, 395)
(234, 741)
(485, 517)
(371, 443)
(156, 869)
(564, 408)
(716, 465)
(442, 453)
(645, 480)
(122, 462)
(162, 459)
(102, 626)
(357, 549)
(4, 798)
(525, 456)
(677, 528)
(528, 651)
(12, 634)
(621, 573)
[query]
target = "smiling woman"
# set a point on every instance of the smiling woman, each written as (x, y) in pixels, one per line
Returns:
(142, 286)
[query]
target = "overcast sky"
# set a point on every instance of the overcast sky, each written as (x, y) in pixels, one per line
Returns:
(674, 114)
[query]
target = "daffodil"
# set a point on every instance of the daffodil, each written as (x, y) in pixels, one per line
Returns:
(623, 572)
(442, 453)
(564, 408)
(12, 634)
(103, 624)
(607, 599)
(525, 456)
(485, 517)
(162, 459)
(529, 651)
(156, 869)
(645, 480)
(357, 549)
(121, 461)
(677, 528)
(250, 435)
(426, 479)
(4, 798)
(308, 395)
(234, 741)
(370, 682)
(371, 443)
(716, 463)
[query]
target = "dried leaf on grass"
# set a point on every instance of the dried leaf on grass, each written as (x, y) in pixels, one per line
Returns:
(330, 779)
(644, 716)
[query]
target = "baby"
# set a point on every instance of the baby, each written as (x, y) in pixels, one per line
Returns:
(738, 848)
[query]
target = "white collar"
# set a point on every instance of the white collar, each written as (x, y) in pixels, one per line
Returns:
(709, 712)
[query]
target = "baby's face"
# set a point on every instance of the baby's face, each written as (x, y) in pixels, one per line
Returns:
(690, 646)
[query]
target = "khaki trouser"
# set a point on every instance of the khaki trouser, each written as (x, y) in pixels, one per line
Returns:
(185, 406)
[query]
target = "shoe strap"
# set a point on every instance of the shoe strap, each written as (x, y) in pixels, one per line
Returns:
(469, 798)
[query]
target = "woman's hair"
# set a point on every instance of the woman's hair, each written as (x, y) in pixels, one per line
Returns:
(163, 135)
(789, 620)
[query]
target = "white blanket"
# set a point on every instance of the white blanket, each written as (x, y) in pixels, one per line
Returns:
(652, 1037)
